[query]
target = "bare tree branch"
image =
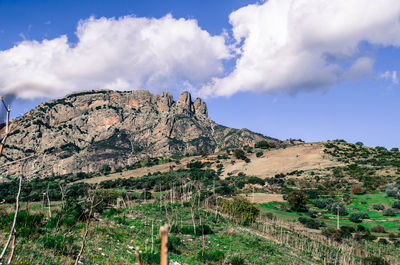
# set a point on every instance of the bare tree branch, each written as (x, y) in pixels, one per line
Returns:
(13, 230)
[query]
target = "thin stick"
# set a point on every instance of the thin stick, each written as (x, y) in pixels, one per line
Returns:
(12, 232)
(152, 236)
(164, 245)
(86, 232)
(138, 262)
(48, 201)
(12, 250)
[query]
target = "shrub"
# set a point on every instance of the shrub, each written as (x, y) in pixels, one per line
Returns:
(378, 207)
(396, 205)
(259, 153)
(188, 230)
(105, 169)
(335, 207)
(319, 203)
(297, 201)
(239, 154)
(211, 255)
(311, 223)
(357, 189)
(395, 149)
(358, 217)
(378, 229)
(237, 260)
(332, 233)
(373, 260)
(346, 231)
(150, 258)
(264, 145)
(241, 209)
(256, 180)
(347, 197)
(389, 212)
(359, 144)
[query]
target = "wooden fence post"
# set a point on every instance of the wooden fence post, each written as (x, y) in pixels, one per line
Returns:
(164, 245)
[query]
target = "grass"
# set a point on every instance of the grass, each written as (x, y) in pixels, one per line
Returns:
(360, 203)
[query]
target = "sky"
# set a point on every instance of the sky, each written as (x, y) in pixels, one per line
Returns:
(310, 69)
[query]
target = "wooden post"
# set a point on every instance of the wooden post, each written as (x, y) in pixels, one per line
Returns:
(164, 245)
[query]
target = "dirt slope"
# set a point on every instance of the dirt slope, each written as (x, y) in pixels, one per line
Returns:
(298, 157)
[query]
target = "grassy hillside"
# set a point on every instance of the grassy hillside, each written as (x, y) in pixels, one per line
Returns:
(235, 207)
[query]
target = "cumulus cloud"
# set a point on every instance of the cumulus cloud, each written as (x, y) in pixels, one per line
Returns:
(305, 45)
(124, 53)
(391, 76)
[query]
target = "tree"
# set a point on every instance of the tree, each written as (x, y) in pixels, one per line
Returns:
(359, 144)
(239, 154)
(395, 149)
(358, 217)
(264, 145)
(298, 201)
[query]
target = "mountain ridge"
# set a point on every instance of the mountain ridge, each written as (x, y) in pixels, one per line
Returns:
(86, 130)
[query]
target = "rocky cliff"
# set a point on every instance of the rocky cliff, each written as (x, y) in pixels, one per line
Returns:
(86, 130)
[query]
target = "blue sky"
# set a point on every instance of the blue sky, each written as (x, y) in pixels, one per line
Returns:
(303, 100)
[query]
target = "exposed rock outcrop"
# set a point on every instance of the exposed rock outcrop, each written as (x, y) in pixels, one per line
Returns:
(86, 130)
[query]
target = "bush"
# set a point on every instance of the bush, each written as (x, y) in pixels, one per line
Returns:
(264, 145)
(237, 260)
(311, 223)
(378, 229)
(332, 233)
(346, 231)
(188, 230)
(150, 258)
(358, 217)
(209, 255)
(298, 200)
(240, 209)
(373, 260)
(357, 189)
(396, 205)
(334, 207)
(378, 207)
(319, 203)
(259, 153)
(239, 154)
(256, 180)
(389, 212)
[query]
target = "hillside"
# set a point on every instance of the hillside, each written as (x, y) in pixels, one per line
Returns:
(238, 206)
(85, 131)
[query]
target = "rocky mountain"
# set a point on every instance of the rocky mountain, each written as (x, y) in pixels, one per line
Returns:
(86, 130)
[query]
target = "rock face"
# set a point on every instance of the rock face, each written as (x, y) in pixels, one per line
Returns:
(86, 130)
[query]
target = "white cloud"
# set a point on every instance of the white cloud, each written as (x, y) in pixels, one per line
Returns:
(391, 76)
(124, 53)
(304, 45)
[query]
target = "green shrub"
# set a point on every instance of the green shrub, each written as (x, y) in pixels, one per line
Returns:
(396, 205)
(259, 153)
(378, 207)
(211, 255)
(188, 229)
(297, 201)
(237, 260)
(338, 207)
(358, 217)
(239, 154)
(150, 258)
(389, 212)
(373, 260)
(265, 145)
(311, 223)
(241, 210)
